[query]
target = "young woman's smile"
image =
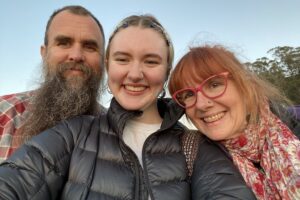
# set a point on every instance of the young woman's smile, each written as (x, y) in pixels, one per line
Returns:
(137, 73)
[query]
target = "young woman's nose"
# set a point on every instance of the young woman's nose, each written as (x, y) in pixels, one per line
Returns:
(203, 103)
(135, 72)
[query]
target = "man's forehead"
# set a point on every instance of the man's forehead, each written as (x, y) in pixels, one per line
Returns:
(72, 25)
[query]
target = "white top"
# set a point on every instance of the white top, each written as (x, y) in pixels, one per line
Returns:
(135, 134)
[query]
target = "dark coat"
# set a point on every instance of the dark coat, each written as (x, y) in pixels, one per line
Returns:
(215, 176)
(86, 158)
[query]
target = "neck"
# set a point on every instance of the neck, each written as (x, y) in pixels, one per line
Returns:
(150, 115)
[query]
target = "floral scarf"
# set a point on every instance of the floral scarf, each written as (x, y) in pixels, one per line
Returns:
(268, 157)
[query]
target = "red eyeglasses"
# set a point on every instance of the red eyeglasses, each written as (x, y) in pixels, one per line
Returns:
(212, 87)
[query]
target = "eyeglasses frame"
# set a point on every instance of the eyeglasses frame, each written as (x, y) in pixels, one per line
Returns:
(199, 89)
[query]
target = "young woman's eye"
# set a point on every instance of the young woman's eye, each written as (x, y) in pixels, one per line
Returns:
(152, 62)
(121, 60)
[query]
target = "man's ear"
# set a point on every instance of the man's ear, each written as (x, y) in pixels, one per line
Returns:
(43, 51)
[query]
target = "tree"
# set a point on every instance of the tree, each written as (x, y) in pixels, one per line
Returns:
(282, 70)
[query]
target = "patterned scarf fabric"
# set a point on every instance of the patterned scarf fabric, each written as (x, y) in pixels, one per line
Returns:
(268, 157)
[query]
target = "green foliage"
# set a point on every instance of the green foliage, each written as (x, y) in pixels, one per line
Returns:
(282, 69)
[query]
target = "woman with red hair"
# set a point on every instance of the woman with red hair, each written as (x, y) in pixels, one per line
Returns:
(230, 104)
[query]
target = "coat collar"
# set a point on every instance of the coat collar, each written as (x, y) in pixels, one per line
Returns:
(168, 109)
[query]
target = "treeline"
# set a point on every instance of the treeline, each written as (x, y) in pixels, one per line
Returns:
(281, 68)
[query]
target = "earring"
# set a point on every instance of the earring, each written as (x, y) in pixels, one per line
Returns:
(108, 90)
(162, 94)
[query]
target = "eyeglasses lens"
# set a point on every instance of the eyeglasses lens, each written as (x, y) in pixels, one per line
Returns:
(212, 87)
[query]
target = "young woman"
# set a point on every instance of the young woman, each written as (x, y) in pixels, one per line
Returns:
(134, 150)
(229, 104)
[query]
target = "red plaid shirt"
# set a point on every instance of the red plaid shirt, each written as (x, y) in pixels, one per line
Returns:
(12, 115)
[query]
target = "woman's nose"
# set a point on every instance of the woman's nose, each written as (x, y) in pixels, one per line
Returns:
(135, 72)
(203, 102)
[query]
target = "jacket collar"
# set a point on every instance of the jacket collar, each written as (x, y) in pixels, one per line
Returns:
(168, 109)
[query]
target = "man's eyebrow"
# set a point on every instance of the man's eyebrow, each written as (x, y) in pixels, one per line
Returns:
(90, 42)
(60, 38)
(63, 38)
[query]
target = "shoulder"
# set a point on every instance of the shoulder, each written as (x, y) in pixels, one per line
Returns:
(80, 123)
(63, 136)
(215, 176)
(290, 117)
(82, 118)
(202, 152)
(13, 111)
(22, 96)
(17, 101)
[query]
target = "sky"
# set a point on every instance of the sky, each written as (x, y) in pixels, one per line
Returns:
(248, 27)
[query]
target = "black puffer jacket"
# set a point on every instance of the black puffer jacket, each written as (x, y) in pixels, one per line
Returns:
(85, 158)
(214, 176)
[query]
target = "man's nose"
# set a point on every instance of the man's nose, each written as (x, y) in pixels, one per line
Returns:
(76, 54)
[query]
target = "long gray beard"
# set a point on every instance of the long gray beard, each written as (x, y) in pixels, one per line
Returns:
(58, 99)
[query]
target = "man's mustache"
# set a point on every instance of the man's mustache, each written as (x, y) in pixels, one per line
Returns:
(86, 70)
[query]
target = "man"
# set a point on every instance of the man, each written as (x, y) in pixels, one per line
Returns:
(73, 65)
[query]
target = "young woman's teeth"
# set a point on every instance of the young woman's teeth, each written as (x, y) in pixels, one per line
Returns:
(213, 118)
(134, 88)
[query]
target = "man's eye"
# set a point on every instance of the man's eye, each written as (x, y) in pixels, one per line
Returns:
(63, 43)
(91, 48)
